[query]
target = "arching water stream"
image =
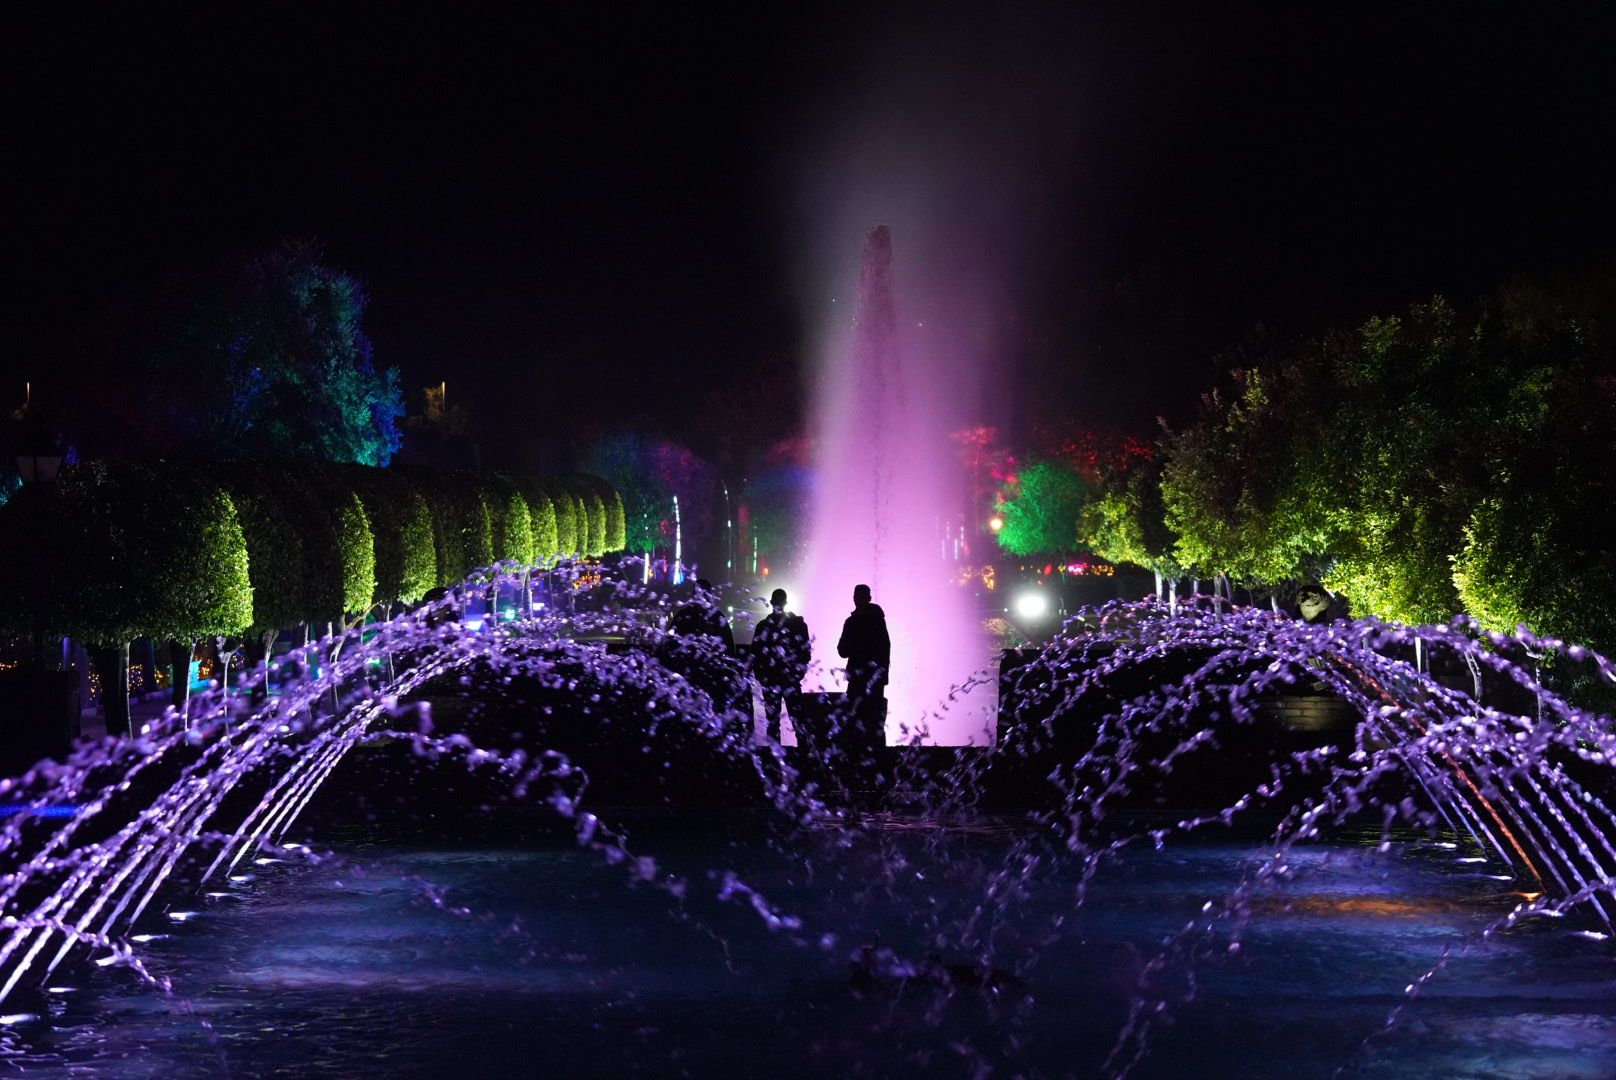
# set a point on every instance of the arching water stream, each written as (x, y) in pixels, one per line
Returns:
(575, 852)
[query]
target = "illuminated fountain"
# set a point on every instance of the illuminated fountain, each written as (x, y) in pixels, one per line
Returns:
(981, 919)
(889, 487)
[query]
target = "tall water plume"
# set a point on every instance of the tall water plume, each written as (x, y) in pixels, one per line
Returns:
(889, 500)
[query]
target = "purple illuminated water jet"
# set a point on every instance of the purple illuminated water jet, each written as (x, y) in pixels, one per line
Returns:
(889, 493)
(1125, 702)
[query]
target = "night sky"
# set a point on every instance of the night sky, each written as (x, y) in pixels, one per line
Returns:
(611, 211)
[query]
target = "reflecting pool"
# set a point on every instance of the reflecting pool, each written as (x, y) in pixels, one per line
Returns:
(392, 950)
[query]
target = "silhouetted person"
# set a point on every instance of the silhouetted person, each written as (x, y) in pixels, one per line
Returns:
(865, 646)
(868, 650)
(779, 659)
(702, 617)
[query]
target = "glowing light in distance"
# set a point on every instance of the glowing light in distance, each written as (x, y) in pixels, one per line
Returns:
(995, 523)
(1032, 604)
(793, 600)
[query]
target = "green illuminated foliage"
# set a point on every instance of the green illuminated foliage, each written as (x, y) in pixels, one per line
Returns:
(615, 531)
(127, 551)
(571, 529)
(1128, 524)
(592, 524)
(401, 525)
(1432, 462)
(462, 527)
(512, 520)
(542, 519)
(418, 572)
(358, 547)
(642, 500)
(1041, 510)
(275, 512)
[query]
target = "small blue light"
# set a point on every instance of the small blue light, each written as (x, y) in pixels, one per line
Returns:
(8, 809)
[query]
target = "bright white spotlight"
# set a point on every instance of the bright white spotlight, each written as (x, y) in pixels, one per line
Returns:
(1032, 605)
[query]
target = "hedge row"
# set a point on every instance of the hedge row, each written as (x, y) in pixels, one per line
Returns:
(121, 550)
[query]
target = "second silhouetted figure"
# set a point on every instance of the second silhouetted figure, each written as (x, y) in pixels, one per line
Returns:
(866, 647)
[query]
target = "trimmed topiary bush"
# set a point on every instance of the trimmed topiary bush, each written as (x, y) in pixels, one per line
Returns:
(511, 518)
(568, 516)
(461, 527)
(274, 513)
(120, 551)
(144, 551)
(542, 517)
(401, 525)
(592, 536)
(616, 520)
(358, 546)
(343, 545)
(419, 572)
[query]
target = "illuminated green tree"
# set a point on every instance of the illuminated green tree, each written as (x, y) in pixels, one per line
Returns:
(1041, 510)
(542, 518)
(401, 524)
(128, 550)
(1128, 524)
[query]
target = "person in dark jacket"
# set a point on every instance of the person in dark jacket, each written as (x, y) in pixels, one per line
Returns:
(779, 658)
(865, 646)
(868, 651)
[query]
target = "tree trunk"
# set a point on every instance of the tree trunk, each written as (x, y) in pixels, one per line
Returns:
(179, 673)
(387, 617)
(112, 664)
(254, 650)
(223, 666)
(145, 651)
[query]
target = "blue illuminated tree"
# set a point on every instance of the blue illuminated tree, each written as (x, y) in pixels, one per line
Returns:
(265, 357)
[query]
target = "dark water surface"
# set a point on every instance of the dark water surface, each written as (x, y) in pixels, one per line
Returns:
(515, 953)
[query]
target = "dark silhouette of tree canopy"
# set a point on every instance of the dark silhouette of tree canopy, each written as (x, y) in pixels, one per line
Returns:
(265, 357)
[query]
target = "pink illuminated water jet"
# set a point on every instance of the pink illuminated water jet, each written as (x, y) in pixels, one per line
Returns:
(889, 492)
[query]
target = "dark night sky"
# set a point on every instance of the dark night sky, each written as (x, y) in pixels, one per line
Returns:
(570, 202)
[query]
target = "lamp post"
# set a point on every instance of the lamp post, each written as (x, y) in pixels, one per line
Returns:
(729, 536)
